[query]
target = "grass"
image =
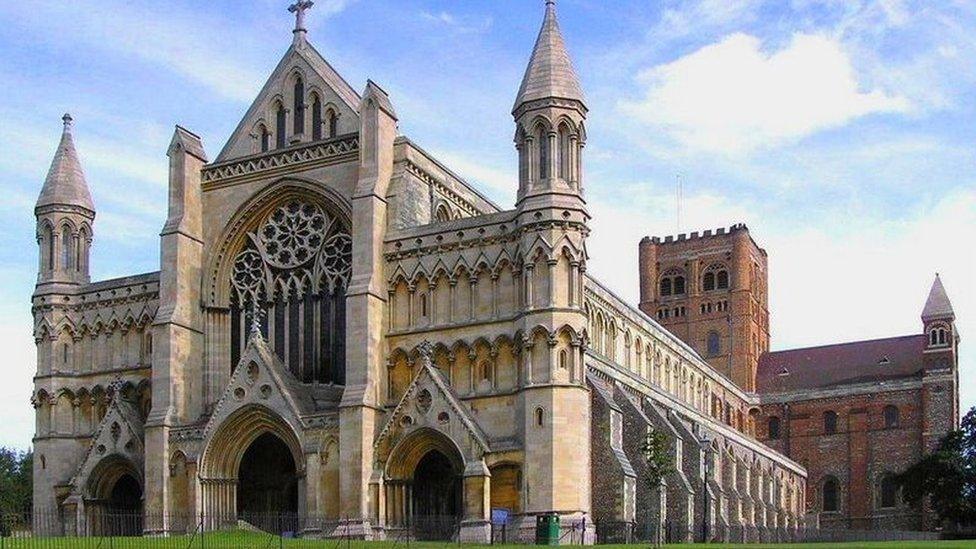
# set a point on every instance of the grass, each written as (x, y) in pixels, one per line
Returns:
(249, 540)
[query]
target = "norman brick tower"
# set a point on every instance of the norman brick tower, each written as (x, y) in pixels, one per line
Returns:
(710, 290)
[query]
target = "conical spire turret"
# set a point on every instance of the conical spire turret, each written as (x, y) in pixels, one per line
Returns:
(550, 116)
(65, 214)
(65, 184)
(550, 73)
(937, 306)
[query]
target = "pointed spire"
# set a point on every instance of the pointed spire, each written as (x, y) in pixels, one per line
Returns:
(550, 73)
(65, 184)
(937, 306)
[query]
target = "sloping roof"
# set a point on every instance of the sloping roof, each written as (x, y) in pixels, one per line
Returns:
(65, 183)
(550, 72)
(840, 364)
(937, 305)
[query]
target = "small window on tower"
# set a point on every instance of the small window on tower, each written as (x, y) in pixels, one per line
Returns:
(773, 428)
(679, 285)
(889, 492)
(714, 344)
(722, 280)
(708, 282)
(543, 138)
(665, 286)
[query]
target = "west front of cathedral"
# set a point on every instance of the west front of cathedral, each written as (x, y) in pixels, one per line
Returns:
(345, 332)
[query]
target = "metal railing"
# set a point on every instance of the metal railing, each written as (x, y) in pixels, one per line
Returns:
(105, 529)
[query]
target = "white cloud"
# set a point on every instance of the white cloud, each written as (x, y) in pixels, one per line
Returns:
(500, 184)
(843, 278)
(732, 97)
(332, 7)
(189, 44)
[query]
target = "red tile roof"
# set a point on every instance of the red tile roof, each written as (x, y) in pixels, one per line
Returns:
(840, 364)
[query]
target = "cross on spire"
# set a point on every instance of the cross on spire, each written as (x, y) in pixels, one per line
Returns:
(299, 8)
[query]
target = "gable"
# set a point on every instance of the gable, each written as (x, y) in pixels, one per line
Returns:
(119, 436)
(261, 379)
(319, 77)
(430, 403)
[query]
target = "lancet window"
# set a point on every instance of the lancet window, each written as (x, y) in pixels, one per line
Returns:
(294, 271)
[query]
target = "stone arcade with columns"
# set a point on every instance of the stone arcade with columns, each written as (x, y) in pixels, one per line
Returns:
(344, 330)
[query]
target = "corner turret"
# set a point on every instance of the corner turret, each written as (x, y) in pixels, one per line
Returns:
(938, 318)
(549, 113)
(65, 214)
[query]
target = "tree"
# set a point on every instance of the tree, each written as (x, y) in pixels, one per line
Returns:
(16, 481)
(659, 461)
(947, 477)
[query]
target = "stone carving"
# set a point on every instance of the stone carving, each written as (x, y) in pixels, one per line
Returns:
(298, 248)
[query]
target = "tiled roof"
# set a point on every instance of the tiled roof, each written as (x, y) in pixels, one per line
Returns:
(840, 364)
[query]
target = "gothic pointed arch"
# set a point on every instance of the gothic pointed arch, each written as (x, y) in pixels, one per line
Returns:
(287, 254)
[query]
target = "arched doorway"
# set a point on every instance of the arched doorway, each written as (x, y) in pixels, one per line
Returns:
(267, 483)
(423, 486)
(436, 497)
(125, 507)
(113, 501)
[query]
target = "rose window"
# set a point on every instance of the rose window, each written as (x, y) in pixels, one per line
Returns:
(293, 271)
(293, 234)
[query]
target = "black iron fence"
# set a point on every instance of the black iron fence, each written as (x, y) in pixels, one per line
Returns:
(103, 529)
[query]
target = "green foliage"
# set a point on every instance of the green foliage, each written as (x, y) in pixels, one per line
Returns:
(16, 481)
(947, 476)
(658, 457)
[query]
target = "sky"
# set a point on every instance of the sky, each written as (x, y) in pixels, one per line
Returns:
(840, 131)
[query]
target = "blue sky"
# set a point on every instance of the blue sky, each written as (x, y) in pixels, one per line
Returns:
(841, 131)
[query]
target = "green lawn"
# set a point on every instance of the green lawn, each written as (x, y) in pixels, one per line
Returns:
(248, 540)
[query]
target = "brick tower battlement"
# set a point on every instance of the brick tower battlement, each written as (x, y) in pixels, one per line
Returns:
(711, 290)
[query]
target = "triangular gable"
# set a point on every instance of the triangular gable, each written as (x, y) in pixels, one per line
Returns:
(424, 414)
(261, 379)
(319, 74)
(120, 433)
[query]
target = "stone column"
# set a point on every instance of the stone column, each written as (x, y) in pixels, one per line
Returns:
(475, 524)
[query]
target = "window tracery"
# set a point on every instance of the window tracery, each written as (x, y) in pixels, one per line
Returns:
(294, 269)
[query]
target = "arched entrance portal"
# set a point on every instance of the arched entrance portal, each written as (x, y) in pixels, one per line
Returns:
(423, 485)
(436, 497)
(266, 479)
(267, 486)
(252, 468)
(114, 504)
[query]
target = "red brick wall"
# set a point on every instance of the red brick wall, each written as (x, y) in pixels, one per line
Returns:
(861, 451)
(747, 296)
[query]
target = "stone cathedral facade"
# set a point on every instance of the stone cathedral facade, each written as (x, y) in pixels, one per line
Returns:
(343, 329)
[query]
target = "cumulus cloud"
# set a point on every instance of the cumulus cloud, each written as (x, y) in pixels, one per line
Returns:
(734, 97)
(838, 278)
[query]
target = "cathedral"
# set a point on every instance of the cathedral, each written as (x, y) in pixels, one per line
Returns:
(344, 331)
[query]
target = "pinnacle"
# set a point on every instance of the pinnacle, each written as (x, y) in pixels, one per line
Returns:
(550, 72)
(65, 184)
